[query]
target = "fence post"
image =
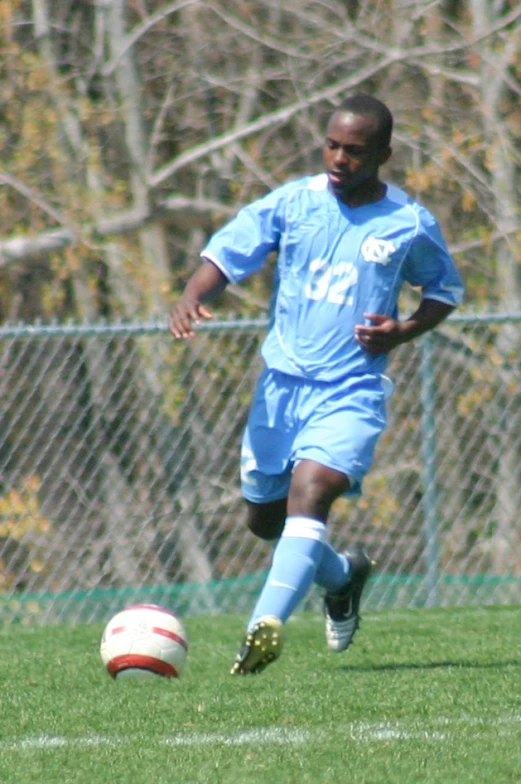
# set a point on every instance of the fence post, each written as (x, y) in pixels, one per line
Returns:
(429, 466)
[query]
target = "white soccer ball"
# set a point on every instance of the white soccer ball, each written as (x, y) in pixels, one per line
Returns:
(144, 641)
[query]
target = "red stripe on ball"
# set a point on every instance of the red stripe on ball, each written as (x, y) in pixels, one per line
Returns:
(118, 630)
(138, 662)
(171, 636)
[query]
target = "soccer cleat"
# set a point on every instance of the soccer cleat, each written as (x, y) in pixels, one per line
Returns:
(261, 646)
(341, 608)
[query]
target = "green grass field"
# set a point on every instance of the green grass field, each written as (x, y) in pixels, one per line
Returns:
(424, 696)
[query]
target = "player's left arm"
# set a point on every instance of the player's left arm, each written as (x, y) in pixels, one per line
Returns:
(430, 266)
(385, 333)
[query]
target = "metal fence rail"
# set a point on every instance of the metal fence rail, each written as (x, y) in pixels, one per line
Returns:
(119, 470)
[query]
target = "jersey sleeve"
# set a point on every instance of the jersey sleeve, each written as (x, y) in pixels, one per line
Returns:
(431, 267)
(241, 246)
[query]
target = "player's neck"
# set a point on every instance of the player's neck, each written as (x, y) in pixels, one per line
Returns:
(368, 193)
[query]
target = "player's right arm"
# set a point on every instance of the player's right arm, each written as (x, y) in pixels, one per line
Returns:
(205, 284)
(235, 251)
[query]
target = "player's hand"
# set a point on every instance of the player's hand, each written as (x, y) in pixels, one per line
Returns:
(185, 315)
(382, 336)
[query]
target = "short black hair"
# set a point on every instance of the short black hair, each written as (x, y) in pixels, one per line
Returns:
(368, 106)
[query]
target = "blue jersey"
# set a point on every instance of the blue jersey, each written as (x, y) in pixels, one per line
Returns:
(334, 263)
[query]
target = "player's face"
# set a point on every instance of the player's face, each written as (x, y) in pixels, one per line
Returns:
(352, 153)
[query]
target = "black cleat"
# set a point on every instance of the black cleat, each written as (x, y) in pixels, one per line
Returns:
(341, 608)
(261, 646)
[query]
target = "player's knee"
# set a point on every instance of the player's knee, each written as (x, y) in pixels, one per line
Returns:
(313, 490)
(309, 501)
(266, 520)
(265, 529)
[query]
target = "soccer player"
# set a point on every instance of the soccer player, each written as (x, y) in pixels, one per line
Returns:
(346, 242)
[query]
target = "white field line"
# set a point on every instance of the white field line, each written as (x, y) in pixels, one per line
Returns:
(274, 735)
(360, 732)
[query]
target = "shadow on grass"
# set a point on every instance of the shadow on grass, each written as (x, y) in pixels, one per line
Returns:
(430, 666)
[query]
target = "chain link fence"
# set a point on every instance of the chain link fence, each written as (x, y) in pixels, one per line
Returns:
(119, 458)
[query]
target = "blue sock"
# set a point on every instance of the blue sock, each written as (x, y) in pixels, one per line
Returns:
(333, 570)
(295, 559)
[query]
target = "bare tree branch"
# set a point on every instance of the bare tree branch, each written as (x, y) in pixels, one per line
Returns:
(133, 37)
(25, 248)
(32, 196)
(269, 120)
(176, 210)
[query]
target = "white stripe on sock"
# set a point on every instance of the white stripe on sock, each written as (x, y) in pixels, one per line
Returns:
(305, 528)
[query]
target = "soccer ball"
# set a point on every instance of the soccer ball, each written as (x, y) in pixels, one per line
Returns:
(144, 641)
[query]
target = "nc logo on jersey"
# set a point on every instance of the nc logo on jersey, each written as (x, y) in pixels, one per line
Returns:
(376, 250)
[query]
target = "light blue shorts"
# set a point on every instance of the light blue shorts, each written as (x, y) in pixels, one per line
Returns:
(292, 419)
